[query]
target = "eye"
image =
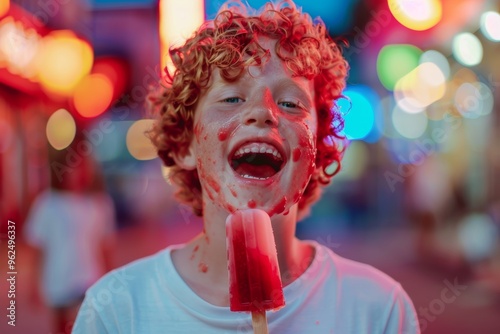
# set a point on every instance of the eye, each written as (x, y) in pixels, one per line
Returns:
(292, 105)
(232, 100)
(289, 104)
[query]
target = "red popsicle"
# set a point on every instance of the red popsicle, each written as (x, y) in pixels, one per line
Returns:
(254, 276)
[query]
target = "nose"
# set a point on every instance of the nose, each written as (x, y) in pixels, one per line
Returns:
(263, 112)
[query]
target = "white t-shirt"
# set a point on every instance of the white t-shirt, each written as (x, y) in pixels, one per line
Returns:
(69, 229)
(334, 295)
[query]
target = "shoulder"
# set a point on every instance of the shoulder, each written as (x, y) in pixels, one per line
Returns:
(353, 274)
(132, 282)
(366, 292)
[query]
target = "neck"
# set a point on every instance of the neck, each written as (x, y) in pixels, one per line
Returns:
(203, 261)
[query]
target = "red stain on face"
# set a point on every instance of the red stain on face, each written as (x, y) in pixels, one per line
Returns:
(268, 102)
(279, 208)
(296, 197)
(194, 251)
(202, 267)
(222, 135)
(212, 183)
(296, 154)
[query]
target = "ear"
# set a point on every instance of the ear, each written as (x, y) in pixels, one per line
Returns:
(186, 159)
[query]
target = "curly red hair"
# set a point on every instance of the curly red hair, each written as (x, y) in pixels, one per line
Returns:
(229, 43)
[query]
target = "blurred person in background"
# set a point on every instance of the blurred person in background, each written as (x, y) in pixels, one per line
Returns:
(70, 232)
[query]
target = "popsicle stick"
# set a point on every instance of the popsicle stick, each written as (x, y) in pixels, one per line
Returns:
(259, 322)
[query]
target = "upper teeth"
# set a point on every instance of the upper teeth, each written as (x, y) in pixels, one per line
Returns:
(257, 148)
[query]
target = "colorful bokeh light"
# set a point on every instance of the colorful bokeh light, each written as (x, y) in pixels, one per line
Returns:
(467, 49)
(63, 61)
(358, 108)
(60, 129)
(490, 26)
(408, 125)
(395, 61)
(421, 87)
(178, 20)
(4, 7)
(93, 95)
(355, 161)
(416, 15)
(473, 100)
(139, 146)
(436, 57)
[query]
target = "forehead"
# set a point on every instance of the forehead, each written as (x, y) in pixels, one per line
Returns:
(272, 70)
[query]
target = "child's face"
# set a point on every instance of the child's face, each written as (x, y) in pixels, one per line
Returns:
(255, 139)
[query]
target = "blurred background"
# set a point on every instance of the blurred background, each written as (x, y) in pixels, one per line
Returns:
(418, 195)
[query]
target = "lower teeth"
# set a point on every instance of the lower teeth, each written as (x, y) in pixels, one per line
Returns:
(254, 177)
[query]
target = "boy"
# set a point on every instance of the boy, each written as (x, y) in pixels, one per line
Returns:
(248, 120)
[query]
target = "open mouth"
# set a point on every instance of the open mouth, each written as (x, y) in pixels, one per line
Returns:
(257, 161)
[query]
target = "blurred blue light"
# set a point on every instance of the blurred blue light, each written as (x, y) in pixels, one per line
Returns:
(337, 15)
(358, 108)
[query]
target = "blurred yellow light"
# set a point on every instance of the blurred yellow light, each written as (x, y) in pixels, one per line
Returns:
(436, 57)
(467, 49)
(417, 15)
(178, 21)
(93, 95)
(490, 26)
(61, 129)
(63, 61)
(4, 7)
(139, 146)
(418, 89)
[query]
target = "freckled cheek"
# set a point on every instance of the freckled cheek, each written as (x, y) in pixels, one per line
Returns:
(305, 146)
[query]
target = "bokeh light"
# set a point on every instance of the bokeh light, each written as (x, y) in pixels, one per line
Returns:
(139, 146)
(395, 61)
(18, 58)
(490, 26)
(478, 235)
(93, 95)
(63, 61)
(473, 100)
(416, 15)
(178, 20)
(4, 7)
(421, 87)
(115, 70)
(355, 161)
(409, 125)
(436, 57)
(358, 108)
(467, 49)
(60, 129)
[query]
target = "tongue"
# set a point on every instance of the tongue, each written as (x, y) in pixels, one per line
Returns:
(261, 171)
